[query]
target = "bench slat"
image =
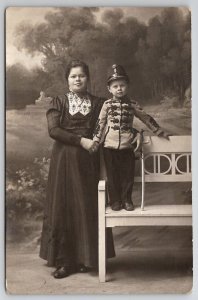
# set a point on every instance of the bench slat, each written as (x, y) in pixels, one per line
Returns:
(152, 211)
(165, 178)
(176, 144)
(155, 215)
(149, 221)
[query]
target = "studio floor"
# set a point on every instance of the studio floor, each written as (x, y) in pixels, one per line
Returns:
(147, 271)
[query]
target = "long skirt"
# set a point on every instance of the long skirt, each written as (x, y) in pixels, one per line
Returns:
(70, 225)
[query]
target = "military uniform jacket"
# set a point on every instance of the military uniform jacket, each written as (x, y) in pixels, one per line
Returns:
(115, 123)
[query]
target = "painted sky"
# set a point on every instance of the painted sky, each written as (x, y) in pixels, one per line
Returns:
(34, 15)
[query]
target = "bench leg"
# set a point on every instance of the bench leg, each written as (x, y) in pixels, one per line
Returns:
(101, 236)
(143, 181)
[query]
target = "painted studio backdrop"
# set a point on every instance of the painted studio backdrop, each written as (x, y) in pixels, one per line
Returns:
(154, 46)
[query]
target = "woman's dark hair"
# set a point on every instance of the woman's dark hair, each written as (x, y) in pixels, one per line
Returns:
(77, 63)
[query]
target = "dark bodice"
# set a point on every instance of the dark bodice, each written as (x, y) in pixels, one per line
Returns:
(71, 120)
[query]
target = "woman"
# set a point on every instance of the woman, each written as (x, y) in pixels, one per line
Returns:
(69, 236)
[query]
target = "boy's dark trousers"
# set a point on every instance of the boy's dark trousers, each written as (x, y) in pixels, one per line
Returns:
(120, 168)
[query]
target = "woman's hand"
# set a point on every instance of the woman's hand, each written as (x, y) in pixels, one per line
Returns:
(87, 144)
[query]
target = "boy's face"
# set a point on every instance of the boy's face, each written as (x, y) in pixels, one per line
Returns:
(118, 88)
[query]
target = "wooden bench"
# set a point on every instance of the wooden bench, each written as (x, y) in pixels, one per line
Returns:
(161, 161)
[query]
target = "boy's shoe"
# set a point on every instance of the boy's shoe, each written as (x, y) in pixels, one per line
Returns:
(128, 206)
(116, 206)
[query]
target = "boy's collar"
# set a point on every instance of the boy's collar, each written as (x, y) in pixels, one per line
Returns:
(122, 99)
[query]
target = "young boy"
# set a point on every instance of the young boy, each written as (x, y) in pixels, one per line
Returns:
(114, 129)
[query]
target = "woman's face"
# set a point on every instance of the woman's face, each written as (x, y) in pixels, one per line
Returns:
(77, 80)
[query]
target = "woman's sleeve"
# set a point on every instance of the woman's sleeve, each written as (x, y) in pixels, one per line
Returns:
(57, 133)
(100, 124)
(146, 119)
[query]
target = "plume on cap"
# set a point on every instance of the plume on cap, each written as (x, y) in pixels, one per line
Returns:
(117, 73)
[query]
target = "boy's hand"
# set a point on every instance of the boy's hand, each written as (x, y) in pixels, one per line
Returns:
(164, 135)
(94, 147)
(137, 140)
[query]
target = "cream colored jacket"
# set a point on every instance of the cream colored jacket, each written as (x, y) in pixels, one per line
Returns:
(115, 123)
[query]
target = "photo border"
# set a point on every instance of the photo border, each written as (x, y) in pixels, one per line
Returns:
(193, 4)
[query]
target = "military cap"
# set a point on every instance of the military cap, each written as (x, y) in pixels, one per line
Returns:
(117, 72)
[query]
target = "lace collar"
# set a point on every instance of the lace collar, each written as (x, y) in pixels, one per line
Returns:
(79, 104)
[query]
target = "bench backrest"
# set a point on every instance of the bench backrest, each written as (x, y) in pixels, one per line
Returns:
(167, 160)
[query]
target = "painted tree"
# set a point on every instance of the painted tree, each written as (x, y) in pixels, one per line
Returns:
(165, 54)
(156, 56)
(23, 86)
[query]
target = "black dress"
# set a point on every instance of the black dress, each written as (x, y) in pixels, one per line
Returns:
(70, 226)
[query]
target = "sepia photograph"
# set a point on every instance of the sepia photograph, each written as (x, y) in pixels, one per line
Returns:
(98, 150)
